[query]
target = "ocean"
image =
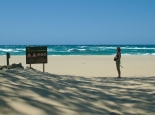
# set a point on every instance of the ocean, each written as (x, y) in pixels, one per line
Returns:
(68, 50)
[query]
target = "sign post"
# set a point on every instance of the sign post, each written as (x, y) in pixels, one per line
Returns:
(36, 55)
(43, 67)
(7, 58)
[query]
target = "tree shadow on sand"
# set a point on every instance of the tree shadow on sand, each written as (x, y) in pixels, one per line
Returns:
(27, 91)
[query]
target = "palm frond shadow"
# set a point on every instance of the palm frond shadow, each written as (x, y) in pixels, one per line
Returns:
(59, 94)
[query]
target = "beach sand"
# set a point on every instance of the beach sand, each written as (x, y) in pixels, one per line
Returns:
(79, 85)
(92, 66)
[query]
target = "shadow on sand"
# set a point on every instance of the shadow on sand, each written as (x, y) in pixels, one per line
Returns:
(26, 92)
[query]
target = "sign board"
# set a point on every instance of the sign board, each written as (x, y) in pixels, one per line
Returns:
(36, 55)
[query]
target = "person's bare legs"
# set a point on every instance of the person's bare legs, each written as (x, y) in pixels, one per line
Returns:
(119, 73)
(118, 69)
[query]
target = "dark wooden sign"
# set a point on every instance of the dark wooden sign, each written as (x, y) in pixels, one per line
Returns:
(36, 54)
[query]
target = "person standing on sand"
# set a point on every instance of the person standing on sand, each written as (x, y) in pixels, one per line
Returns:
(118, 61)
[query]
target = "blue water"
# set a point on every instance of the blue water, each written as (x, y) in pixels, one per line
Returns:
(83, 49)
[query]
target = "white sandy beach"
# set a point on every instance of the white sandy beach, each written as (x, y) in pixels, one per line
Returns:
(79, 85)
(92, 66)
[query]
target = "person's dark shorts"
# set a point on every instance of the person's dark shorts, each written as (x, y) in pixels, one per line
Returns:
(118, 65)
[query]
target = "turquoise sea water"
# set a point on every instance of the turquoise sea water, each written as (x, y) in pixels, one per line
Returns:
(83, 49)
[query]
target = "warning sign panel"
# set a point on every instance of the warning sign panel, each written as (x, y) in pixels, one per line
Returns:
(36, 55)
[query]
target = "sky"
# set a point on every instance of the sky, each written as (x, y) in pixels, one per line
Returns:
(72, 22)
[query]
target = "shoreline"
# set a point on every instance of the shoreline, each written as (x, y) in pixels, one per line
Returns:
(83, 55)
